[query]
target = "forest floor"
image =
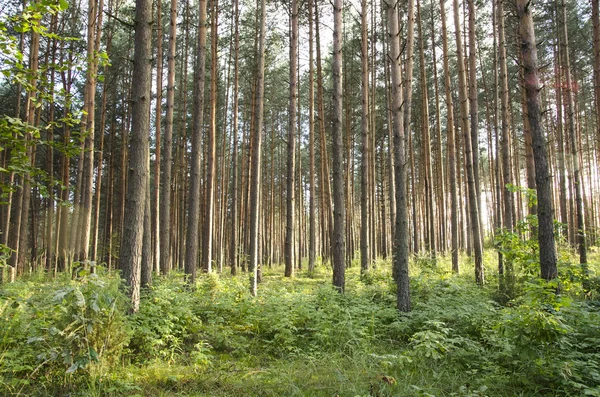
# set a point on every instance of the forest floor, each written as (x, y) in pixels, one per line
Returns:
(300, 337)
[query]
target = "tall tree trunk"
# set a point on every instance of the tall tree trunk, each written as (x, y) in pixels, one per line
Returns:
(207, 248)
(365, 251)
(425, 141)
(255, 175)
(156, 228)
(451, 144)
(193, 210)
(596, 35)
(338, 237)
(138, 172)
(547, 247)
(291, 144)
(400, 267)
(571, 121)
(440, 181)
(505, 142)
(94, 27)
(167, 160)
(312, 229)
(325, 185)
(470, 132)
(234, 249)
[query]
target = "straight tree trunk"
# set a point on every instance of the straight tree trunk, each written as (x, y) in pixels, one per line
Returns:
(470, 132)
(400, 266)
(167, 159)
(547, 246)
(440, 180)
(312, 229)
(137, 170)
(207, 250)
(454, 232)
(256, 136)
(571, 121)
(596, 36)
(94, 33)
(339, 216)
(156, 227)
(365, 251)
(234, 249)
(291, 143)
(193, 203)
(508, 210)
(430, 239)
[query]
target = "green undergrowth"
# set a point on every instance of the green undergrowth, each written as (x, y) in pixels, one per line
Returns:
(300, 337)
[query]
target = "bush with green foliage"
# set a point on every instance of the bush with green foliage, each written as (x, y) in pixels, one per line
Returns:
(56, 332)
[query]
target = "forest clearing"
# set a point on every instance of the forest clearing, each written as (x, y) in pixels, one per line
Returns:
(300, 337)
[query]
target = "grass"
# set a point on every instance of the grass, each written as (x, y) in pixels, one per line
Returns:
(299, 337)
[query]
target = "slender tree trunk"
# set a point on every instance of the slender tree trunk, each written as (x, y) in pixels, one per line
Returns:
(596, 35)
(234, 249)
(338, 237)
(571, 121)
(441, 194)
(94, 33)
(425, 141)
(325, 188)
(505, 142)
(312, 229)
(193, 211)
(451, 145)
(547, 247)
(470, 158)
(131, 247)
(156, 226)
(256, 136)
(291, 144)
(165, 189)
(400, 267)
(207, 250)
(365, 251)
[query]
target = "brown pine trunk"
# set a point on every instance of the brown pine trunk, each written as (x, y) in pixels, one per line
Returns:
(207, 235)
(312, 229)
(400, 267)
(430, 239)
(256, 136)
(571, 120)
(156, 228)
(291, 143)
(547, 247)
(166, 262)
(365, 250)
(440, 180)
(338, 240)
(138, 172)
(193, 203)
(470, 133)
(451, 150)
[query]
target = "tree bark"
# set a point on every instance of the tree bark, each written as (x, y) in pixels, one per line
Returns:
(167, 152)
(256, 136)
(547, 246)
(291, 143)
(451, 144)
(339, 216)
(400, 266)
(193, 203)
(365, 251)
(137, 169)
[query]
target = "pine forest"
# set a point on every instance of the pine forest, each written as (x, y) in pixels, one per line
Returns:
(343, 198)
